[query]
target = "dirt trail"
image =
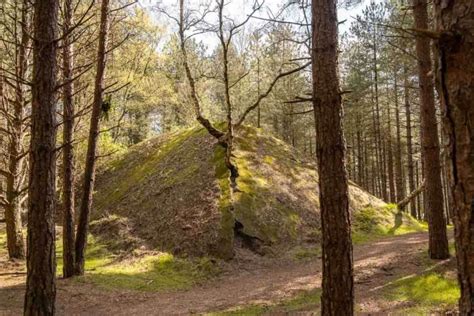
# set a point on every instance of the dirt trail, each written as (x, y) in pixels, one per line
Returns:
(376, 264)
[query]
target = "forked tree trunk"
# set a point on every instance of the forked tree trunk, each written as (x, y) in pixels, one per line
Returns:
(433, 202)
(68, 150)
(337, 284)
(455, 23)
(41, 259)
(89, 172)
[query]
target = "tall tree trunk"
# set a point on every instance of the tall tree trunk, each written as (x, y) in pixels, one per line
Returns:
(438, 240)
(68, 150)
(455, 23)
(14, 187)
(391, 177)
(411, 171)
(378, 129)
(41, 259)
(400, 182)
(338, 286)
(89, 172)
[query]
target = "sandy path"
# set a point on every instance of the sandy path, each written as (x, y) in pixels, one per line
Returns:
(376, 264)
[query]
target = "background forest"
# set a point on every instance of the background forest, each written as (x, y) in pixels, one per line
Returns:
(187, 139)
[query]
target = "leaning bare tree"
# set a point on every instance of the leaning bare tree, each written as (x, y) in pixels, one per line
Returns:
(225, 30)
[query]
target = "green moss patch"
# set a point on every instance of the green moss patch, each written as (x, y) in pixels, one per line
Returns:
(306, 301)
(156, 272)
(430, 291)
(372, 223)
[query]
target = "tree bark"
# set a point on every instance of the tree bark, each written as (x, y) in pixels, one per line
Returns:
(94, 129)
(68, 150)
(41, 260)
(455, 26)
(14, 180)
(400, 183)
(438, 240)
(391, 177)
(411, 171)
(337, 284)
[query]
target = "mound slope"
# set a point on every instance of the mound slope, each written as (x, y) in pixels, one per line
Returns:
(172, 193)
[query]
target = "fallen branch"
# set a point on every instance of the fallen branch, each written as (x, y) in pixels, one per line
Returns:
(403, 203)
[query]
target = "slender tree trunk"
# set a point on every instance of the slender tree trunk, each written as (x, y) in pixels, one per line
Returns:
(360, 159)
(378, 129)
(400, 183)
(391, 177)
(338, 287)
(68, 150)
(41, 260)
(455, 23)
(14, 183)
(258, 92)
(411, 171)
(438, 240)
(89, 173)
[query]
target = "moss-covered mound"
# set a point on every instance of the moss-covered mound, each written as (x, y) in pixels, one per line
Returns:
(172, 193)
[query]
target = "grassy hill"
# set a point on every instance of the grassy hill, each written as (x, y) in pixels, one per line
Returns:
(171, 193)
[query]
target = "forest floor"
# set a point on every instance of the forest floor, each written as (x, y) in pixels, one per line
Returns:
(392, 275)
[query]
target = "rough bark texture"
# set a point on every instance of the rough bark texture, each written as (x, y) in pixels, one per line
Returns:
(433, 204)
(68, 150)
(337, 284)
(89, 172)
(41, 259)
(455, 23)
(411, 170)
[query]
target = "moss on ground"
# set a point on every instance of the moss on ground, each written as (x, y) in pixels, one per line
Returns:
(372, 223)
(225, 242)
(306, 301)
(433, 291)
(137, 172)
(154, 273)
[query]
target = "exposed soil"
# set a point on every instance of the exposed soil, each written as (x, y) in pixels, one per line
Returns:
(376, 265)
